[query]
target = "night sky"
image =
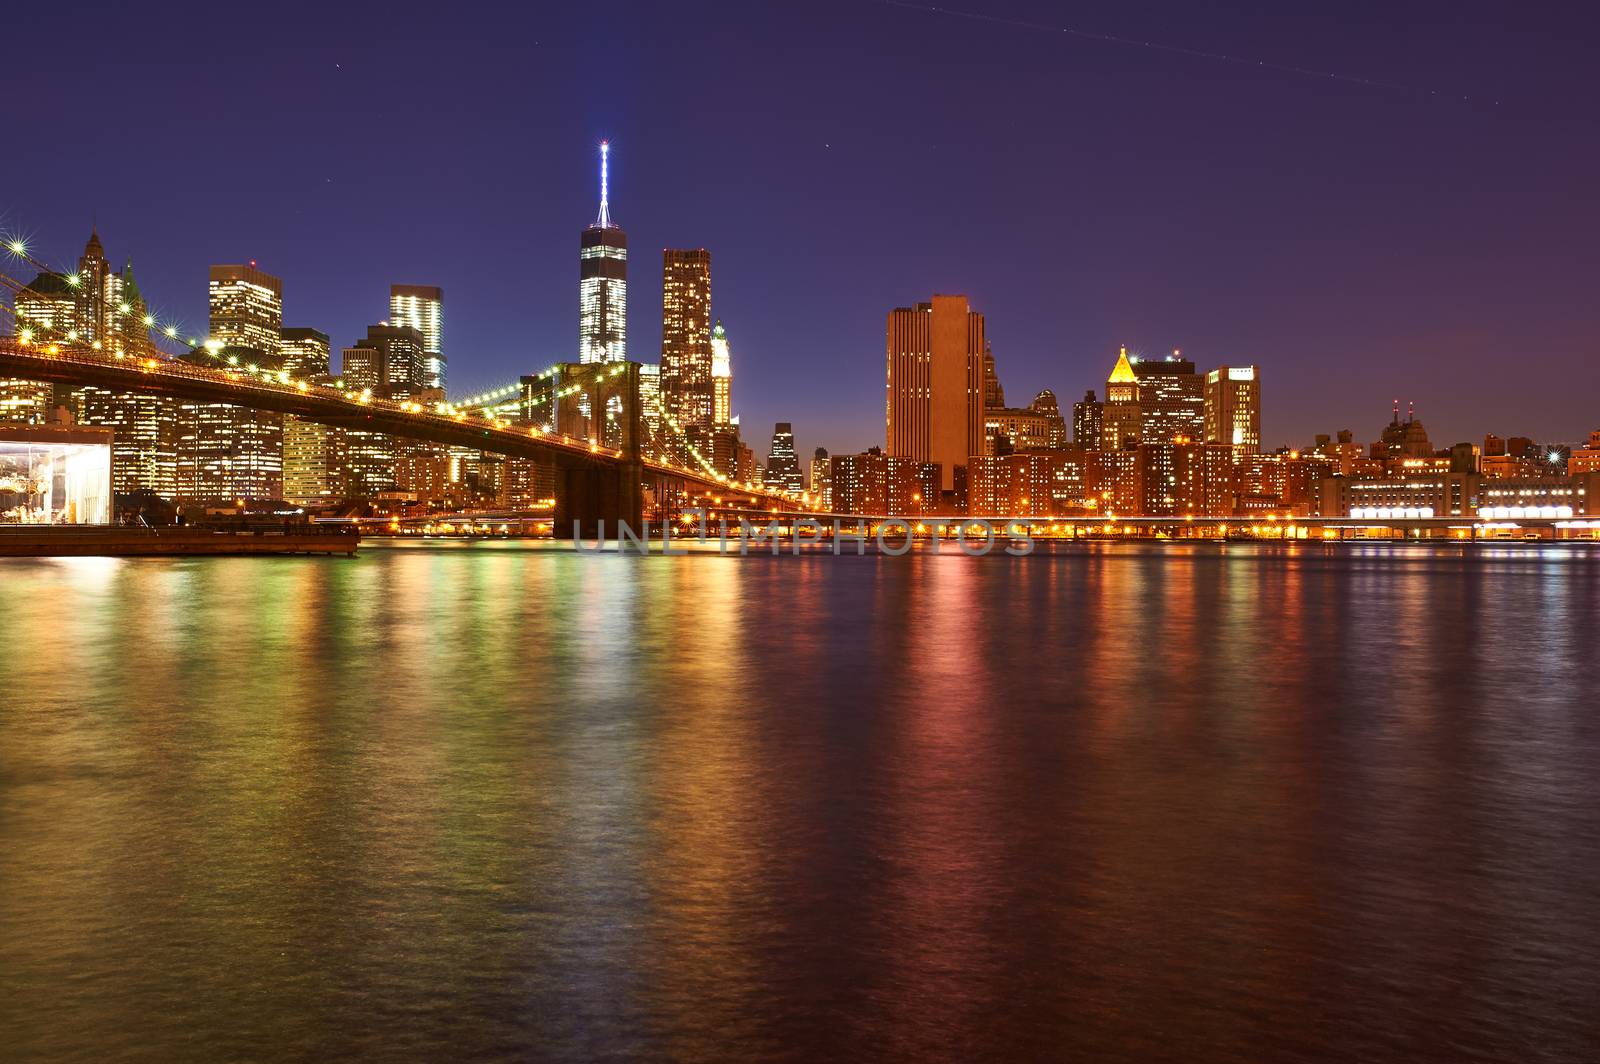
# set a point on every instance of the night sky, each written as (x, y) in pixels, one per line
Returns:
(1359, 241)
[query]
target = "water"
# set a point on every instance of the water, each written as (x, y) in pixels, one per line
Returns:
(1186, 803)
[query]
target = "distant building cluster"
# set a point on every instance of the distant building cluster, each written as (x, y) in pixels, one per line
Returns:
(1163, 439)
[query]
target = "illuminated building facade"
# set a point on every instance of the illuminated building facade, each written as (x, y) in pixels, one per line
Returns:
(224, 452)
(46, 310)
(603, 281)
(1031, 484)
(247, 309)
(93, 273)
(421, 307)
(390, 360)
(650, 397)
(1233, 408)
(1422, 495)
(783, 465)
(1086, 421)
(686, 388)
(822, 479)
(369, 463)
(721, 377)
(313, 463)
(1172, 404)
(144, 441)
(1289, 483)
(1037, 427)
(935, 386)
(1121, 421)
(873, 483)
(306, 352)
(1586, 459)
(1576, 495)
(1118, 479)
(1202, 479)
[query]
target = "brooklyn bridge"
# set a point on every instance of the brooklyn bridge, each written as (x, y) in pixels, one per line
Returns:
(615, 454)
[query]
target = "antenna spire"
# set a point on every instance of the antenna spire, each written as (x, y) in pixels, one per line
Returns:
(604, 221)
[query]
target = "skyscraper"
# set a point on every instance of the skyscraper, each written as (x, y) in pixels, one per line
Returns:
(247, 309)
(144, 440)
(934, 409)
(421, 307)
(389, 360)
(686, 388)
(1120, 418)
(650, 397)
(1086, 421)
(721, 377)
(313, 463)
(821, 479)
(783, 465)
(603, 281)
(994, 394)
(45, 311)
(1171, 400)
(93, 271)
(1233, 408)
(230, 452)
(306, 352)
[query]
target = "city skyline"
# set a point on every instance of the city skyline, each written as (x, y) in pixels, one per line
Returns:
(1427, 288)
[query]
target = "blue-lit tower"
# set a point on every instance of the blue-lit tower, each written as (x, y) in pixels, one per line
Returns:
(603, 281)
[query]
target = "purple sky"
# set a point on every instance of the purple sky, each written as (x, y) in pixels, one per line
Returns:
(1359, 242)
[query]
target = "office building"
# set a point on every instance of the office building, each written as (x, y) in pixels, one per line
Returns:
(650, 398)
(721, 377)
(1086, 421)
(228, 453)
(313, 463)
(390, 361)
(935, 386)
(1233, 408)
(306, 353)
(1172, 404)
(686, 388)
(247, 309)
(421, 307)
(144, 440)
(45, 312)
(1036, 427)
(822, 479)
(783, 465)
(1121, 420)
(603, 280)
(94, 312)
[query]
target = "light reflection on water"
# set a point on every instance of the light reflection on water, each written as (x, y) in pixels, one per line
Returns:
(1158, 802)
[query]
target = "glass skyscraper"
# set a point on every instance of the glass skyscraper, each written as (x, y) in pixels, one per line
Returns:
(421, 307)
(603, 282)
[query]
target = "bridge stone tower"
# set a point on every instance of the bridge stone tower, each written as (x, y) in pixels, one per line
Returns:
(598, 402)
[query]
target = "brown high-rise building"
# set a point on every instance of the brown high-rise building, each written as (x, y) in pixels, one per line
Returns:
(686, 387)
(934, 409)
